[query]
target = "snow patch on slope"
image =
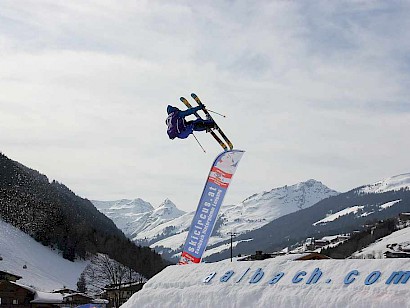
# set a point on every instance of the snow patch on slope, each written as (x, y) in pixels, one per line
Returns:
(357, 209)
(46, 269)
(389, 204)
(353, 209)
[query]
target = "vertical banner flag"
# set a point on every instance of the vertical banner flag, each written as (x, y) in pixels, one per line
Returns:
(204, 220)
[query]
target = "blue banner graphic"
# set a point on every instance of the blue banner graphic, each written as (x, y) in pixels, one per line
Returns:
(213, 194)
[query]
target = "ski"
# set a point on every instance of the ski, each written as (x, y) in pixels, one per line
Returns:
(221, 143)
(196, 98)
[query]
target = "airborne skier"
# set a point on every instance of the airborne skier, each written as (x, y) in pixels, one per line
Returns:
(178, 127)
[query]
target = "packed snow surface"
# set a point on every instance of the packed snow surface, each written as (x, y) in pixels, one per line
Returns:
(46, 270)
(184, 286)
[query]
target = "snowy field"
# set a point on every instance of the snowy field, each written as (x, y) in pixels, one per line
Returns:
(340, 283)
(45, 270)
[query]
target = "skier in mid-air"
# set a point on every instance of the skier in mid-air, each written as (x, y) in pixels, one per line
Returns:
(178, 127)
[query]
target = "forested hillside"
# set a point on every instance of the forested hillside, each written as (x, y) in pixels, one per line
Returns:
(56, 217)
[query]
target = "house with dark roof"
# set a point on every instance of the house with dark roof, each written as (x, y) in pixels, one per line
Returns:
(118, 294)
(404, 216)
(259, 255)
(8, 276)
(14, 295)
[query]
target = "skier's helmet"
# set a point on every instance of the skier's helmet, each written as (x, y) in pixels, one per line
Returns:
(171, 109)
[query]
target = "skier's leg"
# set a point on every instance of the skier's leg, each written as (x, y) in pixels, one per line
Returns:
(200, 125)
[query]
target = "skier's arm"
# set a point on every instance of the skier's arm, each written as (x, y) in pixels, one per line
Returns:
(185, 113)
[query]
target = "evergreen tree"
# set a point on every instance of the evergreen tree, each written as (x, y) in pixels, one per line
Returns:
(81, 284)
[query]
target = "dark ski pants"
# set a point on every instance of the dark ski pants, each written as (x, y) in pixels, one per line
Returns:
(200, 124)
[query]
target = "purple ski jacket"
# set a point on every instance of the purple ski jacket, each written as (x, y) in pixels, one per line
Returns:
(177, 126)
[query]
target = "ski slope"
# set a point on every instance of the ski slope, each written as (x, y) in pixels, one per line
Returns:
(46, 269)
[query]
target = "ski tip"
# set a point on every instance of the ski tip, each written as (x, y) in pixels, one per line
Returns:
(182, 98)
(193, 95)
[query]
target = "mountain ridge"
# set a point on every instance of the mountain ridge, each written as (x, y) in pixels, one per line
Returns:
(252, 213)
(357, 209)
(261, 209)
(136, 215)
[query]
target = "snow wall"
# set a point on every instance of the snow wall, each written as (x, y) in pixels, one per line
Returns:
(279, 282)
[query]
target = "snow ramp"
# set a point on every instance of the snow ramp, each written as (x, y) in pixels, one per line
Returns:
(279, 282)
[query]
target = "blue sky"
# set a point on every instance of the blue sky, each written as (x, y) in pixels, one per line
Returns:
(310, 90)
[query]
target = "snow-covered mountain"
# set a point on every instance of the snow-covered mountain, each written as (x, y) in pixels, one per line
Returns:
(39, 266)
(343, 213)
(167, 233)
(259, 209)
(167, 236)
(165, 212)
(135, 216)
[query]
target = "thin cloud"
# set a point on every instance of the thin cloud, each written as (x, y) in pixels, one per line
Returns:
(87, 83)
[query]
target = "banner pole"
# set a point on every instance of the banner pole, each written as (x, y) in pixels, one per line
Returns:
(203, 222)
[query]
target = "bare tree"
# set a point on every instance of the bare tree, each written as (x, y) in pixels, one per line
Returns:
(103, 271)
